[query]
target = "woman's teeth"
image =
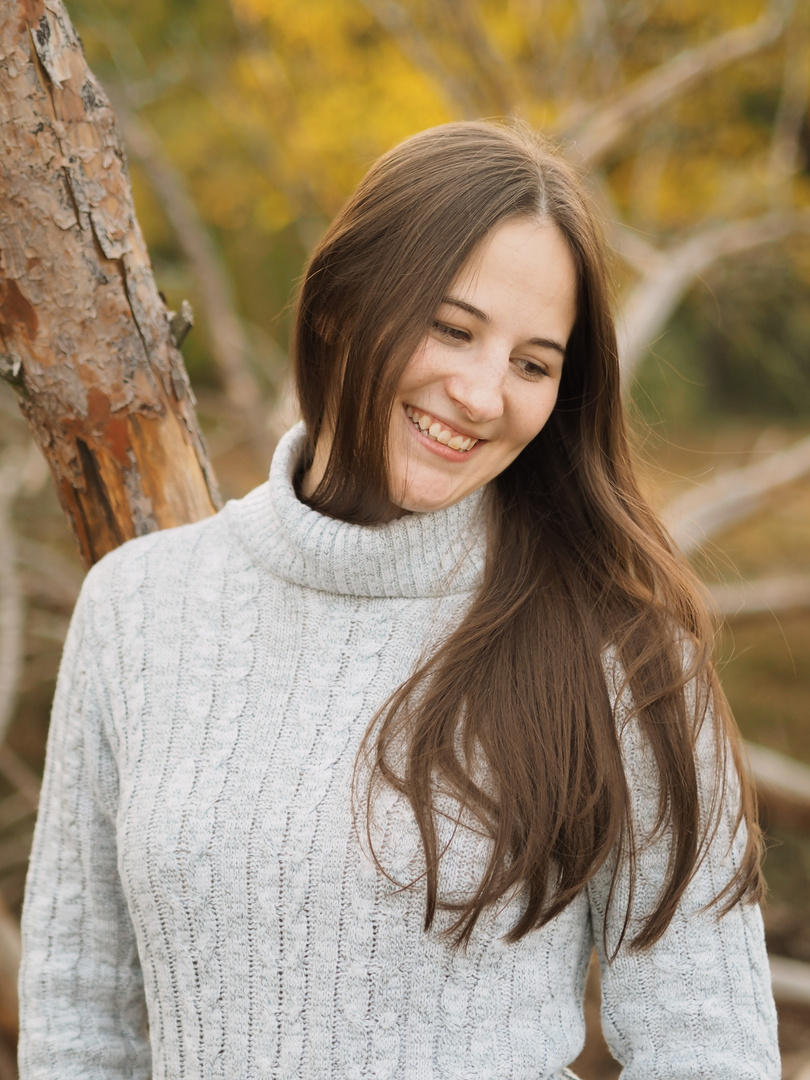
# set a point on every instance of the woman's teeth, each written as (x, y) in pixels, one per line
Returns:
(428, 425)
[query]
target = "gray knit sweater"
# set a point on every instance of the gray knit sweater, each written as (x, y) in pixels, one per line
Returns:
(200, 903)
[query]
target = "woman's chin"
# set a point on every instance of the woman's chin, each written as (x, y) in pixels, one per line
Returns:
(428, 498)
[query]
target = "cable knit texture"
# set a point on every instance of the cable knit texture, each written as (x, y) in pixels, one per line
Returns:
(200, 902)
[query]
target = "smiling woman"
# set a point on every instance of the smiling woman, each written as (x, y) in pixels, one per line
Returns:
(350, 779)
(484, 380)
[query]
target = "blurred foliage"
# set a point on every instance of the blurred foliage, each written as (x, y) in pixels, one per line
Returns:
(271, 110)
(739, 345)
(765, 666)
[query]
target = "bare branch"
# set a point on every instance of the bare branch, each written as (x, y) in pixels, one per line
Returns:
(396, 19)
(638, 252)
(793, 103)
(671, 273)
(493, 84)
(228, 342)
(704, 511)
(598, 38)
(761, 597)
(598, 132)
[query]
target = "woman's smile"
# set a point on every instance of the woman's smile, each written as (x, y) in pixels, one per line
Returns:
(439, 436)
(485, 378)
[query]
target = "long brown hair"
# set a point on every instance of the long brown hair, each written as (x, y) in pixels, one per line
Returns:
(577, 562)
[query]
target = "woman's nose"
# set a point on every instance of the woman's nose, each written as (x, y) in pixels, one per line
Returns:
(477, 387)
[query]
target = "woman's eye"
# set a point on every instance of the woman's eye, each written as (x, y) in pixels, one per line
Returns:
(531, 369)
(452, 332)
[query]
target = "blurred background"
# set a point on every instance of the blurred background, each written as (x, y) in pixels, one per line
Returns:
(248, 122)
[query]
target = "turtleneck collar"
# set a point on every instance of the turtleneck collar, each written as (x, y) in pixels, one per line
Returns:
(431, 554)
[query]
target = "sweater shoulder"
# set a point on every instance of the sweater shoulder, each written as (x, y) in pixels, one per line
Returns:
(163, 559)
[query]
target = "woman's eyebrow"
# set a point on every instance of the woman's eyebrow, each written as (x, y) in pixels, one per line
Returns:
(477, 313)
(474, 311)
(547, 343)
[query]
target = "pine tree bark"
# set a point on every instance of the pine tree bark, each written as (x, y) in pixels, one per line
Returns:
(84, 334)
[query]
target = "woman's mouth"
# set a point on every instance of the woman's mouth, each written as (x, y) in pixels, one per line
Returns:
(439, 431)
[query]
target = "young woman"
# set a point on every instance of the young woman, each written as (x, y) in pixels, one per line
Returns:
(349, 780)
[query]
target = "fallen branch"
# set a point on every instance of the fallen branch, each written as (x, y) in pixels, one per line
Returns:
(760, 597)
(783, 785)
(790, 980)
(704, 511)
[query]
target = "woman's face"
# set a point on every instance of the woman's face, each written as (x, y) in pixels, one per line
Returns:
(484, 380)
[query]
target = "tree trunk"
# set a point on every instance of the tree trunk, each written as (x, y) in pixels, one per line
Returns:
(84, 335)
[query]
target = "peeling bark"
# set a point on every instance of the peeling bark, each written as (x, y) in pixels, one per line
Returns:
(84, 334)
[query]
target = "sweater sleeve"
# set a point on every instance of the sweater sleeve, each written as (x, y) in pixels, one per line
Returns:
(698, 1002)
(82, 1010)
